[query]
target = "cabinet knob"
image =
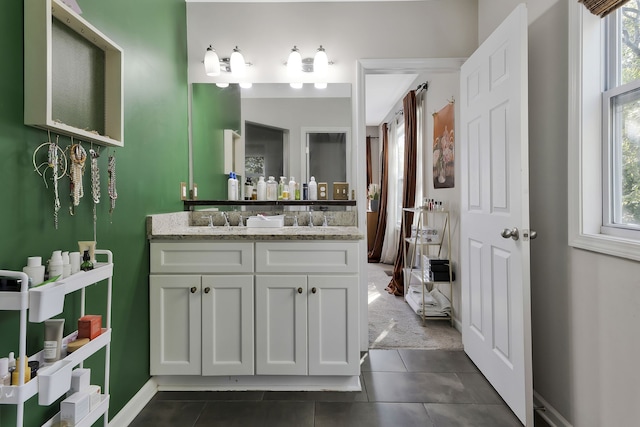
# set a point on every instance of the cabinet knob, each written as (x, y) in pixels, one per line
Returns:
(207, 289)
(193, 289)
(314, 290)
(299, 290)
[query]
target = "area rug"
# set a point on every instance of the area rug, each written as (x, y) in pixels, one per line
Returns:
(393, 324)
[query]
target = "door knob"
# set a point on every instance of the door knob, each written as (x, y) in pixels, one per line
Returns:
(313, 290)
(299, 290)
(513, 233)
(533, 235)
(193, 290)
(207, 289)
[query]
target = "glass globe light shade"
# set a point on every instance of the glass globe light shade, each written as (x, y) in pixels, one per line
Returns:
(294, 63)
(222, 85)
(211, 62)
(238, 66)
(320, 63)
(246, 85)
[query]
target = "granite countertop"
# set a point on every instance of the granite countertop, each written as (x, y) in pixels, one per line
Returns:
(176, 226)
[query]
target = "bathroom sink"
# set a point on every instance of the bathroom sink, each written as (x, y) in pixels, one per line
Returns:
(260, 221)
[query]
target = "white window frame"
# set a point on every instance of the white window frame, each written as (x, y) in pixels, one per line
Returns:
(585, 165)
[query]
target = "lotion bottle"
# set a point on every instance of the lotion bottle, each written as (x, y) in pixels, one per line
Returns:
(313, 189)
(55, 265)
(272, 189)
(262, 189)
(232, 190)
(292, 188)
(35, 270)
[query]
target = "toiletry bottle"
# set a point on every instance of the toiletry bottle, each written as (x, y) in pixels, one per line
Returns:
(285, 192)
(35, 270)
(55, 265)
(248, 189)
(66, 264)
(12, 362)
(292, 189)
(281, 188)
(313, 189)
(262, 189)
(53, 332)
(5, 376)
(305, 191)
(86, 262)
(272, 189)
(297, 195)
(232, 190)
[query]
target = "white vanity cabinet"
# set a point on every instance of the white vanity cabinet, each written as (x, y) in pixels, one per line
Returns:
(201, 324)
(254, 310)
(307, 324)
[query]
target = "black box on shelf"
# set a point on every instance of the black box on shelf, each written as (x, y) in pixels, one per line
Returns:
(443, 276)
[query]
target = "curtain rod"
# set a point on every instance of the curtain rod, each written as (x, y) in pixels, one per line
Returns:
(422, 86)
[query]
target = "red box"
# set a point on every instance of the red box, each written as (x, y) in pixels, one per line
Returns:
(90, 326)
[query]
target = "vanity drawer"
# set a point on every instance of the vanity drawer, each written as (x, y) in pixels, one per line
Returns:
(307, 257)
(201, 257)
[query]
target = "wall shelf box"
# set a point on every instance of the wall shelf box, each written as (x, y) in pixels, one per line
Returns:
(54, 380)
(86, 103)
(190, 204)
(233, 153)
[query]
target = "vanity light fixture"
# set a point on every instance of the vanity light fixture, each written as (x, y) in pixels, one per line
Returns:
(294, 68)
(211, 62)
(222, 85)
(321, 63)
(318, 65)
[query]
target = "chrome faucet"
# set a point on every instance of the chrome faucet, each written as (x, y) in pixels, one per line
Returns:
(241, 222)
(226, 220)
(324, 221)
(310, 219)
(210, 217)
(295, 221)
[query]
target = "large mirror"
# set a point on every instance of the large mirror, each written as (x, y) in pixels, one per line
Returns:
(284, 132)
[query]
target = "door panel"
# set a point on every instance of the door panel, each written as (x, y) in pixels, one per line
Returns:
(227, 325)
(496, 312)
(175, 324)
(281, 325)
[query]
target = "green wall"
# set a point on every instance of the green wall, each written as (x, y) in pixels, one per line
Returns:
(213, 110)
(150, 167)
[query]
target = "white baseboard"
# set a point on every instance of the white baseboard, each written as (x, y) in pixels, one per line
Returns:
(135, 405)
(549, 414)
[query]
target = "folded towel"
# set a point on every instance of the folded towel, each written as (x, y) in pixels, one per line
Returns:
(415, 293)
(441, 308)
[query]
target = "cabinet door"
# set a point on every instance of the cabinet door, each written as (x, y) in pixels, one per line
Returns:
(175, 329)
(333, 325)
(227, 325)
(281, 325)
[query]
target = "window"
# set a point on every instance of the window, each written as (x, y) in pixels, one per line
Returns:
(604, 132)
(621, 119)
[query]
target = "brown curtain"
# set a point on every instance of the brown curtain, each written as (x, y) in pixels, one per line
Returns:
(396, 286)
(376, 251)
(602, 7)
(369, 170)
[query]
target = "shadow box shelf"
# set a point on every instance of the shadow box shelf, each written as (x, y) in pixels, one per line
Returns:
(72, 75)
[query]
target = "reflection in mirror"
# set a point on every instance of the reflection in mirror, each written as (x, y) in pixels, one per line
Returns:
(259, 114)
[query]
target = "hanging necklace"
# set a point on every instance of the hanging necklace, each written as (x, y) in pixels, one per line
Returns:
(95, 188)
(113, 193)
(57, 162)
(78, 156)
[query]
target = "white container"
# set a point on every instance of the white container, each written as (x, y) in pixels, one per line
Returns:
(276, 221)
(53, 382)
(35, 270)
(66, 266)
(74, 408)
(232, 187)
(292, 189)
(313, 189)
(46, 301)
(272, 189)
(55, 265)
(74, 261)
(262, 189)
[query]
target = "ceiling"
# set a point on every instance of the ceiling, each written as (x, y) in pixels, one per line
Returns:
(382, 93)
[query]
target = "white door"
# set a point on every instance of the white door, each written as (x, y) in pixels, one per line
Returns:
(175, 322)
(281, 325)
(333, 325)
(496, 313)
(227, 325)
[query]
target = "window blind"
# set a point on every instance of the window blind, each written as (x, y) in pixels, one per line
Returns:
(602, 7)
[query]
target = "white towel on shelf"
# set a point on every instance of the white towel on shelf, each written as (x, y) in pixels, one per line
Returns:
(441, 308)
(416, 295)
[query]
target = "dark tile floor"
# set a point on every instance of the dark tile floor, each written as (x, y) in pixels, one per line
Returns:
(400, 388)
